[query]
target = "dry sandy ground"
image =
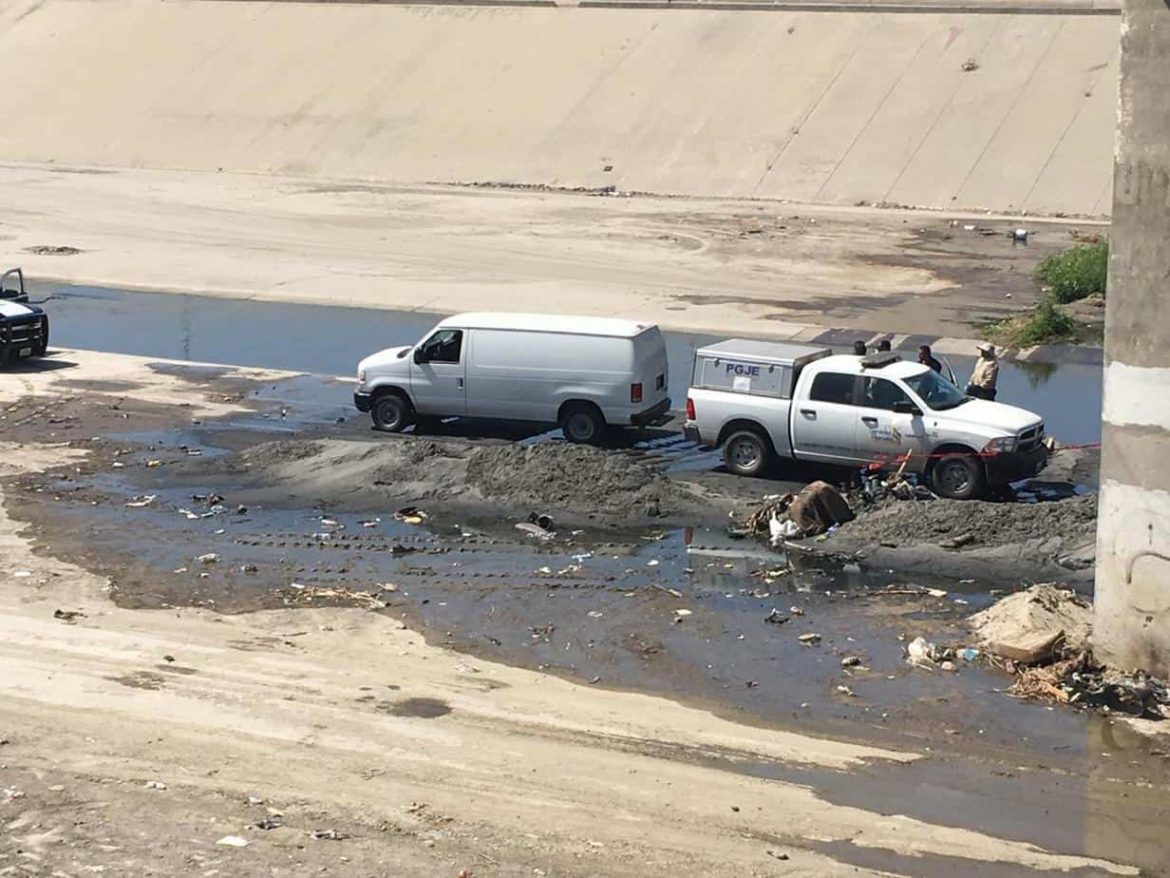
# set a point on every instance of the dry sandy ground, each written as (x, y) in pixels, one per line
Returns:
(432, 763)
(758, 267)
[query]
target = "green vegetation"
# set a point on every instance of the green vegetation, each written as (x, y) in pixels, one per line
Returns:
(1075, 273)
(1068, 276)
(1048, 323)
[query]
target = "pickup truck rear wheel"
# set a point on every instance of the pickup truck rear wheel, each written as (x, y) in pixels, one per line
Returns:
(958, 476)
(392, 413)
(746, 453)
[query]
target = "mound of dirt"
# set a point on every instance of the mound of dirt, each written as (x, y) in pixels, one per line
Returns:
(1035, 615)
(974, 523)
(548, 477)
(1051, 540)
(575, 477)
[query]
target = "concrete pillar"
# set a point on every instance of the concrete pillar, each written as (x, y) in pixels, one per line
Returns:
(1132, 625)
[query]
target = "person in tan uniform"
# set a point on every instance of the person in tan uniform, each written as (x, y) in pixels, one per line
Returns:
(986, 375)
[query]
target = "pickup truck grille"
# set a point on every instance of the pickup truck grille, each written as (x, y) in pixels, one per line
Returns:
(1030, 438)
(25, 333)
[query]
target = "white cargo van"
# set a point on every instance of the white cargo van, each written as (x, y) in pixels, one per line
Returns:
(583, 373)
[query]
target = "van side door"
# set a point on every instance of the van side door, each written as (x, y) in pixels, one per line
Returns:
(882, 433)
(824, 421)
(438, 373)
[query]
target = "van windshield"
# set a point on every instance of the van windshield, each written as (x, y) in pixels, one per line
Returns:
(934, 390)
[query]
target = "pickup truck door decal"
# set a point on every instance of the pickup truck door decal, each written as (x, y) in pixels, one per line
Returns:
(881, 432)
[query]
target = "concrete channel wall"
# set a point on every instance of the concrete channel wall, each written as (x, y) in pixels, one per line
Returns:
(803, 104)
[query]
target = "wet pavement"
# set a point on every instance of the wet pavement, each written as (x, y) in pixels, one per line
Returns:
(329, 341)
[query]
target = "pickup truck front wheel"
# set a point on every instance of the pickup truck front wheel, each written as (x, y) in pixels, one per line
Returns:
(959, 477)
(746, 453)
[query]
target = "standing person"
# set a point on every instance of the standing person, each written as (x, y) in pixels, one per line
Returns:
(884, 346)
(859, 348)
(986, 374)
(926, 358)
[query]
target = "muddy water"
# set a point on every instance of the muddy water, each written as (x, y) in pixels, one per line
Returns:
(326, 340)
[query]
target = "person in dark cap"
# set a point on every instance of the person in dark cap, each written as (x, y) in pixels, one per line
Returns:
(926, 358)
(859, 348)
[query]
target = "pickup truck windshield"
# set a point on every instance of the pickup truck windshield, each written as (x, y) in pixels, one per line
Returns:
(936, 391)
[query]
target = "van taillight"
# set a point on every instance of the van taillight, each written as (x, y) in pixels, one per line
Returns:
(636, 392)
(690, 409)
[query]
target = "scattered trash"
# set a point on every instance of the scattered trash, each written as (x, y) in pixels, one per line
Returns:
(683, 612)
(947, 666)
(796, 611)
(306, 594)
(410, 515)
(328, 835)
(68, 615)
(155, 785)
(233, 841)
(957, 542)
(846, 691)
(209, 558)
(151, 464)
(970, 65)
(775, 617)
(540, 526)
(969, 654)
(21, 574)
(1020, 236)
(255, 800)
(141, 502)
(249, 568)
(267, 823)
(809, 639)
(921, 651)
(542, 520)
(850, 661)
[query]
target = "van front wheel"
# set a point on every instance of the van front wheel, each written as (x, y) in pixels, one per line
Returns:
(392, 413)
(746, 453)
(583, 424)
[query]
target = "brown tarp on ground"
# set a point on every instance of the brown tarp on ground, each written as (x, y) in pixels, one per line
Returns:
(818, 507)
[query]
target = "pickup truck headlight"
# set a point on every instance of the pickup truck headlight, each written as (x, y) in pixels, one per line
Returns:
(1004, 443)
(361, 376)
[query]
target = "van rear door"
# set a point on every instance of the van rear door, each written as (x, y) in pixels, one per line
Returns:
(650, 369)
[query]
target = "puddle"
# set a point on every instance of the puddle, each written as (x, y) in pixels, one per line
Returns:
(679, 612)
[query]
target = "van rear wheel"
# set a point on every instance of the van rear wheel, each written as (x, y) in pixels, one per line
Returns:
(746, 453)
(392, 413)
(583, 424)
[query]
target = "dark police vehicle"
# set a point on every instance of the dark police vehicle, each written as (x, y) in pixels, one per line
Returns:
(24, 328)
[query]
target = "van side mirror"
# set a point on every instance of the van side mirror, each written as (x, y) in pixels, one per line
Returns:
(902, 407)
(419, 355)
(402, 353)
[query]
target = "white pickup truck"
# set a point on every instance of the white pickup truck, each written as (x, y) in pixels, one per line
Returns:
(760, 401)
